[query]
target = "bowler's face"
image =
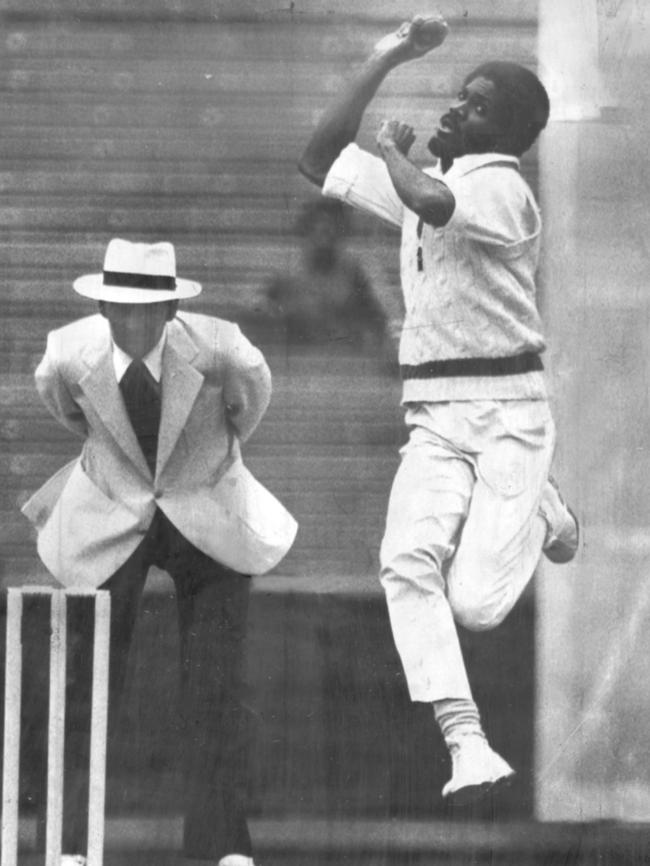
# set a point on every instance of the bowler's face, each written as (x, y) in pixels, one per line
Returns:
(476, 123)
(136, 328)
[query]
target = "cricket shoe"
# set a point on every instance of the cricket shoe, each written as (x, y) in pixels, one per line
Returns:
(73, 860)
(563, 534)
(236, 860)
(477, 770)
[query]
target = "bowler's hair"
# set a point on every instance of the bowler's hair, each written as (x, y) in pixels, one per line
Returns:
(525, 97)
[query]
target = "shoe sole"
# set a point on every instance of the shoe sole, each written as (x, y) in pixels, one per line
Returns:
(471, 793)
(560, 553)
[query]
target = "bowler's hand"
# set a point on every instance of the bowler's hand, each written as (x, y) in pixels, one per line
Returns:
(413, 39)
(392, 133)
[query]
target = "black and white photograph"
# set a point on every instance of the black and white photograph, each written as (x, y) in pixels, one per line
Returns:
(325, 432)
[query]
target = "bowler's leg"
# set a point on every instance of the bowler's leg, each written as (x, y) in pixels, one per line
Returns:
(432, 494)
(428, 503)
(499, 548)
(505, 531)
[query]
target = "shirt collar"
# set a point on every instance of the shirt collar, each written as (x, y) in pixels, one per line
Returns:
(152, 360)
(471, 161)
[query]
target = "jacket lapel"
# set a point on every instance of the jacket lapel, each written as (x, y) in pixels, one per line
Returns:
(101, 388)
(181, 383)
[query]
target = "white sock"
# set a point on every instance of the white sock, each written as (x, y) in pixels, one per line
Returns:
(457, 717)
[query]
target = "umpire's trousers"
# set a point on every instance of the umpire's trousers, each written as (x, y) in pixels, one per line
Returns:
(212, 603)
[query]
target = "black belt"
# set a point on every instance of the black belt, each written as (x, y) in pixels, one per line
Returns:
(525, 363)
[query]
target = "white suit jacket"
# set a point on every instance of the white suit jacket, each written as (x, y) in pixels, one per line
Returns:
(93, 513)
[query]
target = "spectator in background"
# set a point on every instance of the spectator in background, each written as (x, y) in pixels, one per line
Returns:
(328, 297)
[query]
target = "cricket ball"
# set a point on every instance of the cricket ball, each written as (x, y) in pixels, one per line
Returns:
(432, 31)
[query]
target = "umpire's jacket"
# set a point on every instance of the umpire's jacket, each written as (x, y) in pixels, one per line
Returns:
(93, 513)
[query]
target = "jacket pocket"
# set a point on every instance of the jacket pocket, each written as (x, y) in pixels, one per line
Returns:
(40, 505)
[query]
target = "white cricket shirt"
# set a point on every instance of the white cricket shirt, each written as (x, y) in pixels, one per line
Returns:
(470, 292)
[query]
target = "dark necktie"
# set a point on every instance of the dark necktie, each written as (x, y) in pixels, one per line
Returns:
(141, 395)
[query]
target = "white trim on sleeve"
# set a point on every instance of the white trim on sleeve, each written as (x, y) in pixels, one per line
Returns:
(361, 180)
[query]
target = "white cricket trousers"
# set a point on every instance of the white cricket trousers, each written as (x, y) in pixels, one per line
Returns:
(463, 530)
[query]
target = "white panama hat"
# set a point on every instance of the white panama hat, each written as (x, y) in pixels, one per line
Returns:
(137, 273)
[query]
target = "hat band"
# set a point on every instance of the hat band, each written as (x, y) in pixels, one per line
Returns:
(139, 281)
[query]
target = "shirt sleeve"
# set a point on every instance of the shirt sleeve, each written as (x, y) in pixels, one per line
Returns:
(361, 180)
(495, 207)
(54, 392)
